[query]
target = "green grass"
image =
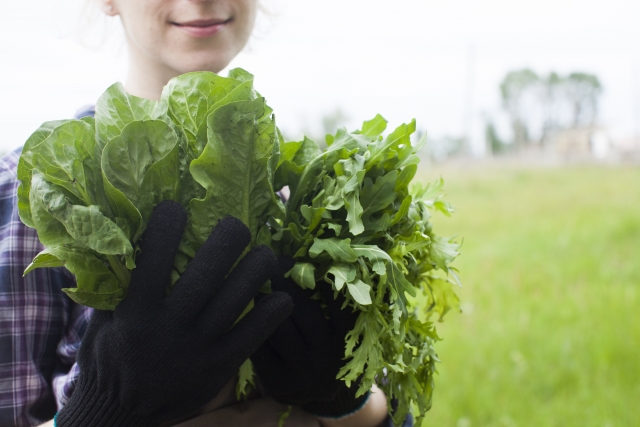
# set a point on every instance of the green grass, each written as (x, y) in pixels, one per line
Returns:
(550, 329)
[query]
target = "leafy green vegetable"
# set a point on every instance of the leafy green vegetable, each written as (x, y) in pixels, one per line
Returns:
(353, 216)
(355, 221)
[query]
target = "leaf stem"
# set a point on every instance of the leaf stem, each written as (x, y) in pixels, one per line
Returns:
(120, 270)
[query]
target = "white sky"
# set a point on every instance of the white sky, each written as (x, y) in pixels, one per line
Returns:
(400, 58)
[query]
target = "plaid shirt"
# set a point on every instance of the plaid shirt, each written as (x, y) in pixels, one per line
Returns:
(40, 326)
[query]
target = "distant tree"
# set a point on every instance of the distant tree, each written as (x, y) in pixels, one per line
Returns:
(540, 106)
(441, 149)
(516, 88)
(583, 92)
(494, 142)
(553, 104)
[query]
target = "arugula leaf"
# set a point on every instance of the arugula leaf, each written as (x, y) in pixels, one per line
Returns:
(373, 128)
(338, 249)
(342, 273)
(360, 292)
(303, 273)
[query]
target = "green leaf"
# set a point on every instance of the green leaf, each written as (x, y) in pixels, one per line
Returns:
(376, 256)
(100, 300)
(338, 249)
(246, 381)
(403, 211)
(97, 285)
(303, 273)
(360, 292)
(192, 97)
(404, 179)
(333, 199)
(84, 224)
(378, 196)
(143, 164)
(42, 260)
(313, 216)
(67, 158)
(116, 108)
(443, 251)
(51, 232)
(233, 168)
(352, 200)
(374, 127)
(342, 273)
(354, 213)
(344, 146)
(337, 228)
(396, 146)
(127, 216)
(240, 75)
(289, 150)
(307, 151)
(398, 282)
(25, 168)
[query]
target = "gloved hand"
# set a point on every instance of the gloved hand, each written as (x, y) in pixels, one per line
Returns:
(299, 362)
(156, 357)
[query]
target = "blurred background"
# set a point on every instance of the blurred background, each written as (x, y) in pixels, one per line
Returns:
(532, 111)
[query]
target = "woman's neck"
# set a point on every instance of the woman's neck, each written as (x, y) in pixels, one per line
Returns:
(146, 77)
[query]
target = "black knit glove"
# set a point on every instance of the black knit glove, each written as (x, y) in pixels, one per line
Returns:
(157, 358)
(299, 362)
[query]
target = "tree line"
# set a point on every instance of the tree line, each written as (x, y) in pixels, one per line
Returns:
(539, 106)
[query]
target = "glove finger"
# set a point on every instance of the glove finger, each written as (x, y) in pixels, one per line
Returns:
(307, 315)
(342, 320)
(254, 329)
(287, 342)
(206, 272)
(99, 318)
(238, 290)
(285, 264)
(158, 248)
(266, 362)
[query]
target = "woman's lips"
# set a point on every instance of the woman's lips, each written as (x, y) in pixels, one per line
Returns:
(202, 28)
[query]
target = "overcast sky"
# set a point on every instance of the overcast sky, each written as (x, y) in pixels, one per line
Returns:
(439, 61)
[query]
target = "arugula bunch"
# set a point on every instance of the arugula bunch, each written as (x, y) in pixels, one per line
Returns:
(354, 220)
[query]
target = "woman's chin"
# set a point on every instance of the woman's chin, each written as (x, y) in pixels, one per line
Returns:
(205, 61)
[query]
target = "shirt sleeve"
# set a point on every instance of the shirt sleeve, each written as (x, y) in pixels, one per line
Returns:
(39, 324)
(64, 379)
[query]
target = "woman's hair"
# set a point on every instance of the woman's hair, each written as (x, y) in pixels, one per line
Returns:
(94, 27)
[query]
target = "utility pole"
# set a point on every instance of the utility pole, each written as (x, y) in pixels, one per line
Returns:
(636, 104)
(469, 95)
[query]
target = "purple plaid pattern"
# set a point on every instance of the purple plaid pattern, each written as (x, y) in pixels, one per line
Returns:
(40, 327)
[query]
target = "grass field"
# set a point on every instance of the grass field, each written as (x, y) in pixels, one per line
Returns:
(550, 329)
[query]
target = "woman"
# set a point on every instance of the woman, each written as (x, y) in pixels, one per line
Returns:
(156, 360)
